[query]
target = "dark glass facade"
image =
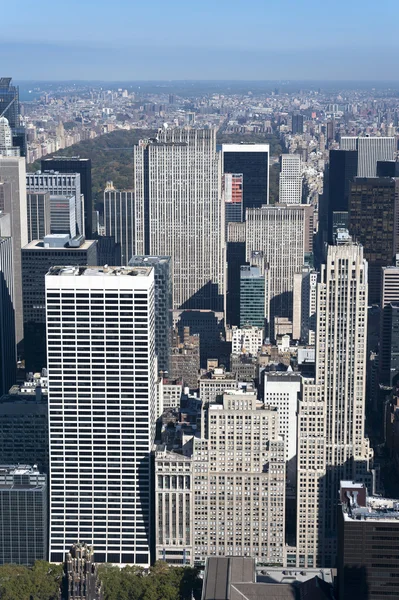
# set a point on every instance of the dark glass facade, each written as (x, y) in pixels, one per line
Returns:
(252, 297)
(9, 108)
(342, 170)
(74, 164)
(373, 222)
(36, 261)
(387, 168)
(297, 124)
(254, 167)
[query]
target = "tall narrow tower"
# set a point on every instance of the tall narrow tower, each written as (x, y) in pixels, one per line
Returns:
(331, 443)
(101, 369)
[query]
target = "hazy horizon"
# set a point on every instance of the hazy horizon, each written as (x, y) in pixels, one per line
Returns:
(228, 39)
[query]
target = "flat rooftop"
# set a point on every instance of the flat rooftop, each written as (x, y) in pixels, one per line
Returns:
(377, 509)
(100, 271)
(39, 245)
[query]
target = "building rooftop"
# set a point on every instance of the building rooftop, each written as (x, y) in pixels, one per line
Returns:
(100, 271)
(39, 245)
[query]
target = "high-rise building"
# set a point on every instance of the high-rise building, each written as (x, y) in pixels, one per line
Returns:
(23, 515)
(304, 305)
(252, 160)
(39, 216)
(59, 184)
(330, 131)
(24, 425)
(6, 141)
(389, 295)
(284, 234)
(297, 124)
(8, 355)
(235, 258)
(13, 202)
(374, 222)
(369, 151)
(119, 219)
(102, 323)
(342, 170)
(10, 109)
(281, 390)
(71, 165)
(233, 198)
(388, 168)
(163, 304)
(37, 258)
(368, 533)
(63, 215)
(331, 411)
(290, 186)
(224, 494)
(252, 297)
(179, 213)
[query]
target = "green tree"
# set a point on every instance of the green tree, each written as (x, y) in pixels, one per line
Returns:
(15, 582)
(45, 580)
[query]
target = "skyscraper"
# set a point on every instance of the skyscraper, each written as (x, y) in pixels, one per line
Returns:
(39, 216)
(75, 164)
(342, 170)
(6, 141)
(297, 124)
(8, 356)
(59, 184)
(284, 233)
(13, 202)
(252, 297)
(119, 219)
(305, 300)
(37, 258)
(290, 189)
(225, 495)
(331, 412)
(374, 222)
(235, 257)
(370, 150)
(368, 530)
(10, 109)
(252, 160)
(101, 322)
(63, 215)
(179, 213)
(163, 304)
(389, 295)
(233, 198)
(23, 515)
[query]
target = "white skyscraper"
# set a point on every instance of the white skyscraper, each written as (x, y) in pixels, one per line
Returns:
(290, 188)
(179, 213)
(305, 301)
(331, 412)
(101, 369)
(6, 147)
(370, 150)
(284, 233)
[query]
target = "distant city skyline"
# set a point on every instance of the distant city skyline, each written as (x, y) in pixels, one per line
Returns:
(152, 41)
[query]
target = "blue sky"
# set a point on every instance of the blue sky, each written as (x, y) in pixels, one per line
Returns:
(219, 39)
